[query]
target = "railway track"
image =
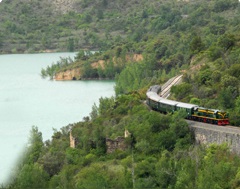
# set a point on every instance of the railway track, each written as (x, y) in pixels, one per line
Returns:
(165, 92)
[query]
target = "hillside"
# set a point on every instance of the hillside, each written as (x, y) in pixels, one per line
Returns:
(199, 38)
(33, 26)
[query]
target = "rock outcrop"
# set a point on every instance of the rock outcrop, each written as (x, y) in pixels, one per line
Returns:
(76, 73)
(73, 74)
(135, 57)
(63, 6)
(117, 144)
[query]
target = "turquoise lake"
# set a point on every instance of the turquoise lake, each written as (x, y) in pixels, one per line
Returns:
(27, 100)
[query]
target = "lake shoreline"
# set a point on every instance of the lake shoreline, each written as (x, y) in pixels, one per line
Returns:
(28, 100)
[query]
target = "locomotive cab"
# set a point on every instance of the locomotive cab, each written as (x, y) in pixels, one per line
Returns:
(221, 115)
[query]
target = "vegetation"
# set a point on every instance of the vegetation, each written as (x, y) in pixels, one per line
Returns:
(50, 71)
(159, 153)
(199, 39)
(30, 26)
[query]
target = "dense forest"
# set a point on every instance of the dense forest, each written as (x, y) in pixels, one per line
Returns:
(199, 39)
(159, 153)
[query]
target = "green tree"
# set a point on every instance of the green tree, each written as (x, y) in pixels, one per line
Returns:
(234, 71)
(31, 176)
(222, 5)
(104, 3)
(145, 173)
(100, 176)
(35, 146)
(238, 104)
(131, 78)
(43, 73)
(71, 45)
(100, 14)
(106, 105)
(226, 98)
(186, 173)
(229, 81)
(235, 113)
(158, 122)
(226, 41)
(215, 52)
(166, 170)
(217, 168)
(73, 155)
(1, 40)
(52, 162)
(204, 77)
(87, 18)
(82, 55)
(181, 91)
(196, 45)
(94, 113)
(195, 101)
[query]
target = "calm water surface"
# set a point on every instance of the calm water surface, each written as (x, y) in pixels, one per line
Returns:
(26, 100)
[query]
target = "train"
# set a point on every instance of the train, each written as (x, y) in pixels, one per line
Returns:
(193, 111)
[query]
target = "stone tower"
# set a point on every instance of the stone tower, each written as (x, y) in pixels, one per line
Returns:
(72, 140)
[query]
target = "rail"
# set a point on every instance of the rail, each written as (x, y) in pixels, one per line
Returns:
(165, 92)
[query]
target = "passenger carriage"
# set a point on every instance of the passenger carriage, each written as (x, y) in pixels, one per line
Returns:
(194, 112)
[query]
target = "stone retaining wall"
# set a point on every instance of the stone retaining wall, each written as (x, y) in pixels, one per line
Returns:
(208, 134)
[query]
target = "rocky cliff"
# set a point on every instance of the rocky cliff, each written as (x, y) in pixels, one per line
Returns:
(73, 74)
(76, 73)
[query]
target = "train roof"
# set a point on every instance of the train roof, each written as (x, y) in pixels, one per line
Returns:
(153, 96)
(168, 102)
(186, 105)
(213, 110)
(155, 88)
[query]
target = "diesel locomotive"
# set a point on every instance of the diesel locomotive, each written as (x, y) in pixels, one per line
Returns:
(194, 112)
